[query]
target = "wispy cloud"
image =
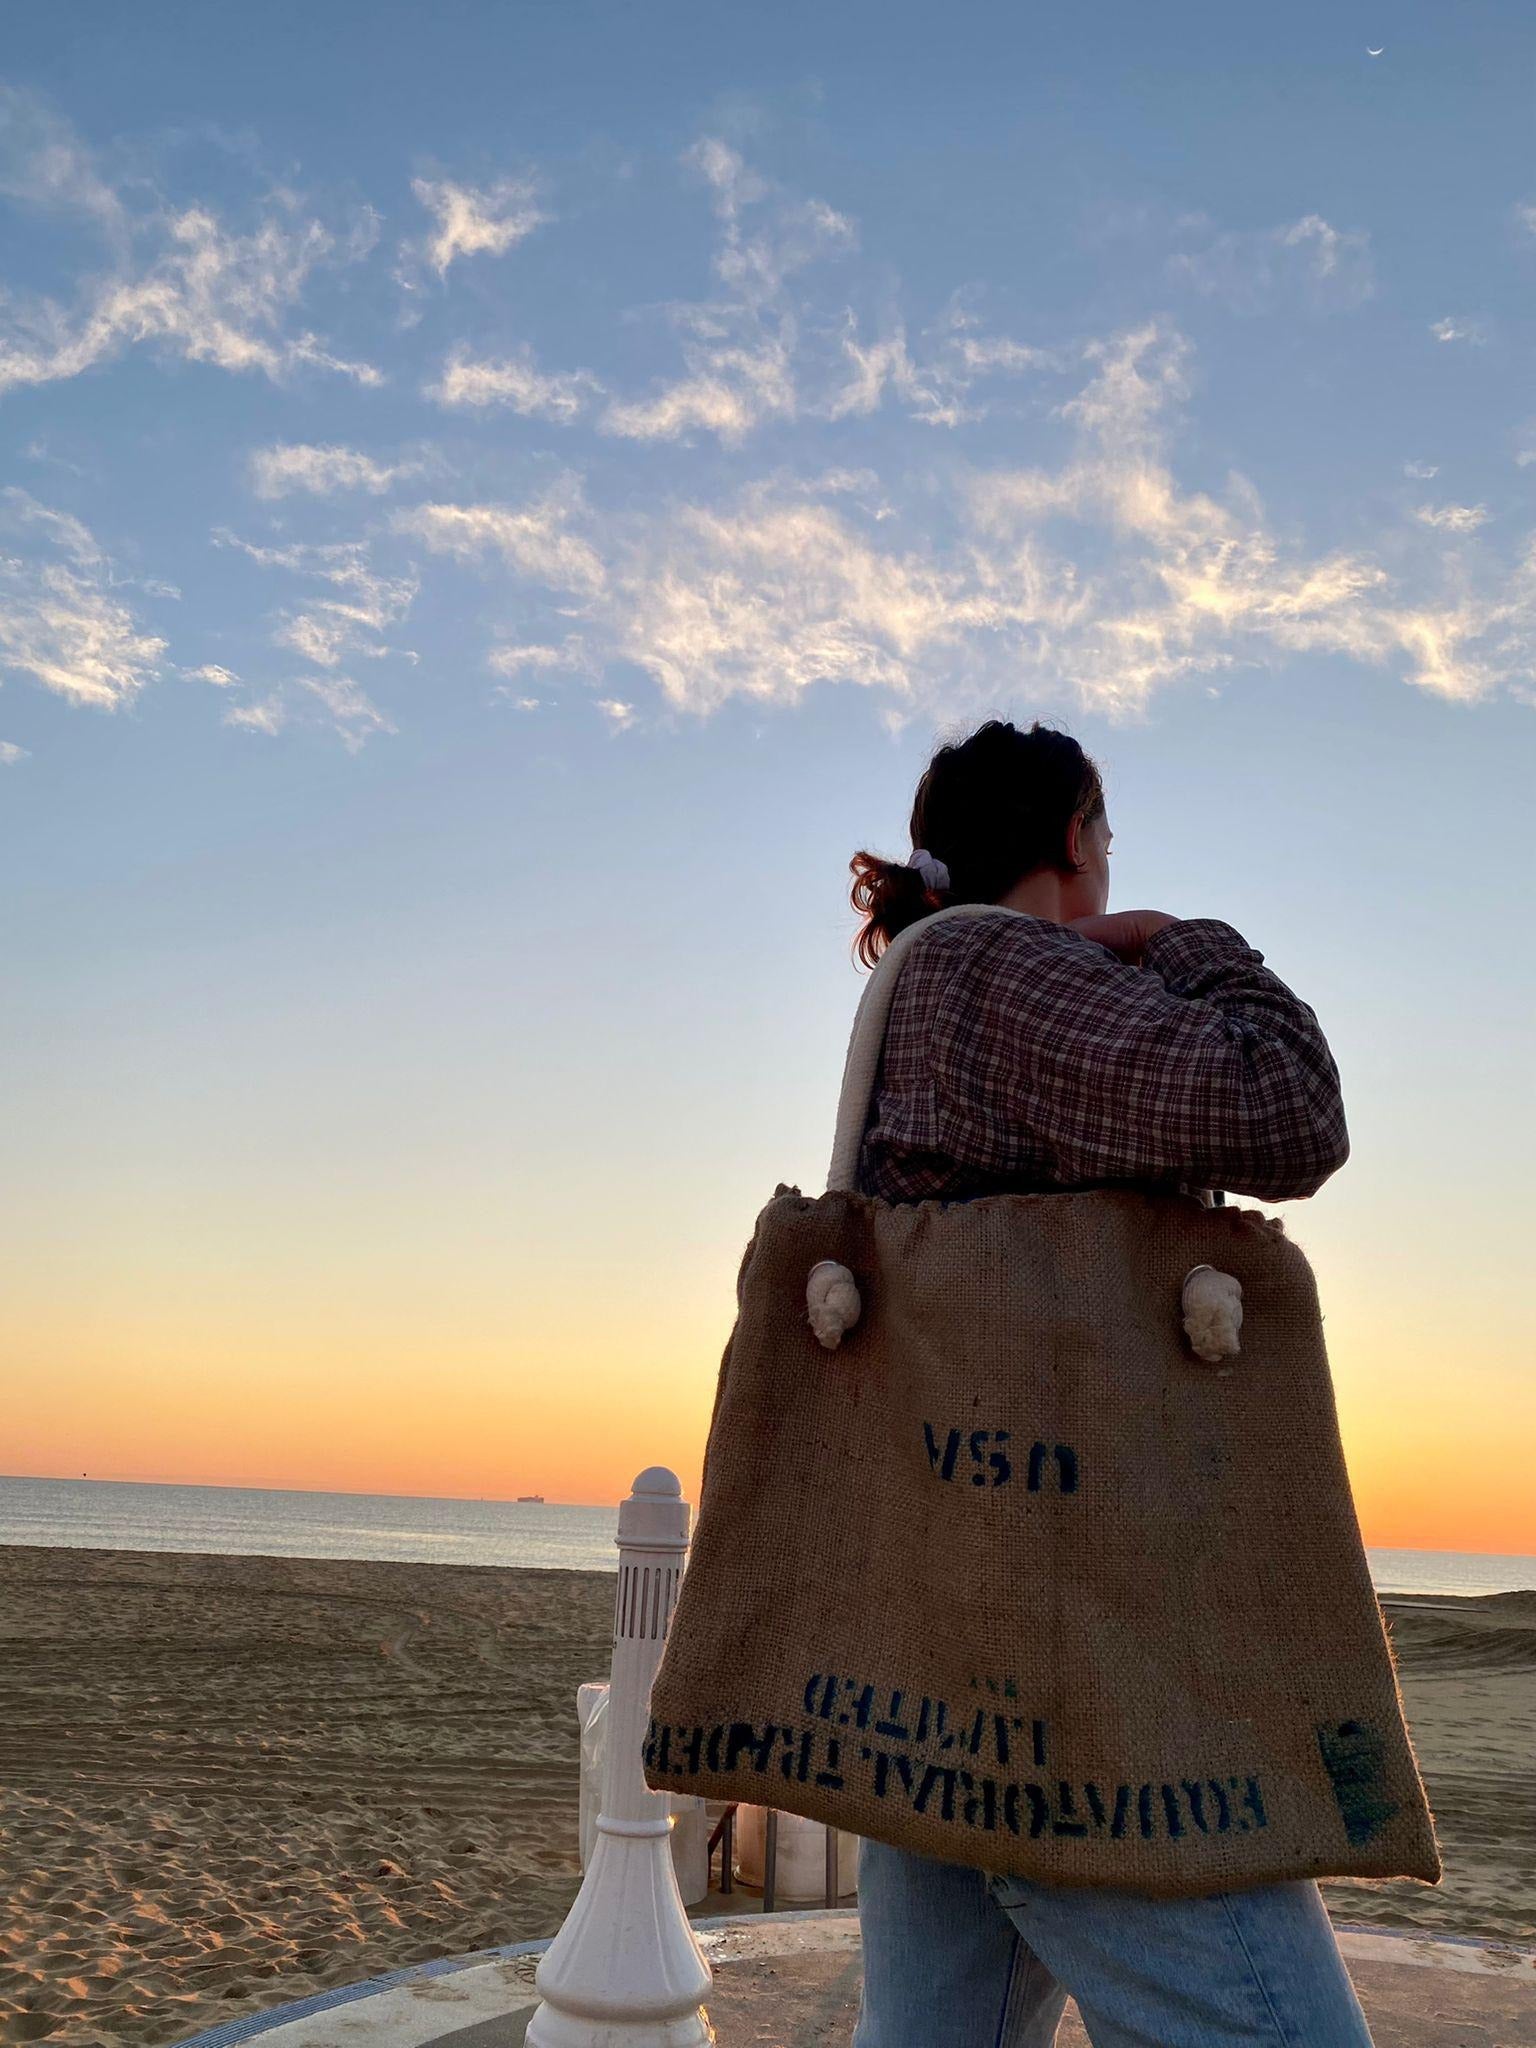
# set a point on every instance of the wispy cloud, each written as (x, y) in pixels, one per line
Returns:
(1252, 271)
(1094, 564)
(348, 708)
(886, 364)
(331, 703)
(327, 630)
(61, 620)
(477, 220)
(43, 163)
(516, 382)
(755, 264)
(728, 392)
(1100, 580)
(179, 279)
(1460, 328)
(738, 351)
(267, 714)
(768, 598)
(211, 296)
(752, 355)
(514, 659)
(39, 451)
(1452, 518)
(10, 753)
(537, 539)
(983, 353)
(1196, 583)
(935, 384)
(322, 471)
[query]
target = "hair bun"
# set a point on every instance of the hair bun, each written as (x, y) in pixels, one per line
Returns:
(1000, 803)
(891, 894)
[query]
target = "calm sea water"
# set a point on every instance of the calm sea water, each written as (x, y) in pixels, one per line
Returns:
(103, 1514)
(99, 1514)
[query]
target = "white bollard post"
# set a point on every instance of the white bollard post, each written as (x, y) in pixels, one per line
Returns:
(626, 1970)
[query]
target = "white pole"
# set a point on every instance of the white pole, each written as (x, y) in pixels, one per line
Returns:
(626, 1970)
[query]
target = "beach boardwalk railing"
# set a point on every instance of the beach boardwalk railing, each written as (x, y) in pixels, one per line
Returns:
(626, 1970)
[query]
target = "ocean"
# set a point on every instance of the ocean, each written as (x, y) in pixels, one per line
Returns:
(103, 1514)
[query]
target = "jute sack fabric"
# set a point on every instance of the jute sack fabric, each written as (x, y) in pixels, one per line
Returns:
(1012, 1578)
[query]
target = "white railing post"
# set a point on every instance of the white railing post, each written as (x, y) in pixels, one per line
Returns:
(626, 1970)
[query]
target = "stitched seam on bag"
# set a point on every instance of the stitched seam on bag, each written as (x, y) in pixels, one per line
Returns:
(1282, 2037)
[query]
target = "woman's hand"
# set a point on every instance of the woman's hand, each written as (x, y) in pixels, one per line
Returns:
(1124, 932)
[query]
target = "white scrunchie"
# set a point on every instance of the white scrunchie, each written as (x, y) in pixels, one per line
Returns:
(933, 871)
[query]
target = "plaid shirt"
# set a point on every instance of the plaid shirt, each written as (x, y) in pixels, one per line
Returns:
(1021, 1057)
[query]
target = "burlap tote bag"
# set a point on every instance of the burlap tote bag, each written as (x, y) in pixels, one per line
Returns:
(1013, 1576)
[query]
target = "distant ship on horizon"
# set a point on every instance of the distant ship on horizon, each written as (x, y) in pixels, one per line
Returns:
(535, 1499)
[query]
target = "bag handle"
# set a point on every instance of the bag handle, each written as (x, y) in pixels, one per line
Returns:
(868, 1037)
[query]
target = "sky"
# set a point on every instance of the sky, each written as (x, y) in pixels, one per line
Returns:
(499, 503)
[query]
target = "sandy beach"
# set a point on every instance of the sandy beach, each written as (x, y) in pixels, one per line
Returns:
(229, 1781)
(1467, 1668)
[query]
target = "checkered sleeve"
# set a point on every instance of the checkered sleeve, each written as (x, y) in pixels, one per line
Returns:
(1200, 1066)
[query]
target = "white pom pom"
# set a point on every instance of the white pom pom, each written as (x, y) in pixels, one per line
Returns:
(831, 1302)
(1213, 1313)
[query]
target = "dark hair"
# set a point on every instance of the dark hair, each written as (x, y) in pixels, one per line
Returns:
(994, 808)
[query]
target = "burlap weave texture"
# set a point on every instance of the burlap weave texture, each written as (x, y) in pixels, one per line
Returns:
(1012, 1579)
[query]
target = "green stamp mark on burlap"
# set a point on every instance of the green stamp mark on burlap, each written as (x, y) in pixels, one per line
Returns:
(1355, 1758)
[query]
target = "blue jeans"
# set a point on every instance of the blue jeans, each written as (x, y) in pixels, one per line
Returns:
(954, 1958)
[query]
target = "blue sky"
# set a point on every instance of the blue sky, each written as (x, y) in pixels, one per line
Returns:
(499, 503)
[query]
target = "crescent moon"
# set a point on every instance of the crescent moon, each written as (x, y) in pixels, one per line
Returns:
(1375, 53)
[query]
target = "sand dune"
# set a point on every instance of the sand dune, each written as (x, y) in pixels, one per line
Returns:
(1496, 1632)
(228, 1781)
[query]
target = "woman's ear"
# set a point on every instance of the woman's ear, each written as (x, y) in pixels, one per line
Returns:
(1075, 842)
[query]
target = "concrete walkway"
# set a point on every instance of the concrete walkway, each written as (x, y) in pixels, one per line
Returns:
(791, 1980)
